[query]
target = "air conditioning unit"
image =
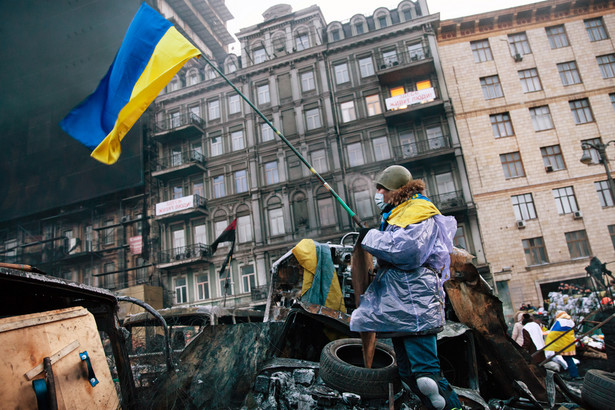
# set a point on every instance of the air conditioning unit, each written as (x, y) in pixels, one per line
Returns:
(520, 224)
(549, 168)
(518, 57)
(125, 219)
(577, 215)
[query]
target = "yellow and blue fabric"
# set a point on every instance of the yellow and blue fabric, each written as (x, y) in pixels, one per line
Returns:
(563, 324)
(152, 52)
(416, 209)
(320, 284)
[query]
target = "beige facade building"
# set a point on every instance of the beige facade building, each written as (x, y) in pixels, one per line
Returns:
(530, 85)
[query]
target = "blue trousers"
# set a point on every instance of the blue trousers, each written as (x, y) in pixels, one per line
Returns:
(417, 356)
(572, 367)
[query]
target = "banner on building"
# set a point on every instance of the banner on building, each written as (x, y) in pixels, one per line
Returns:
(136, 244)
(413, 97)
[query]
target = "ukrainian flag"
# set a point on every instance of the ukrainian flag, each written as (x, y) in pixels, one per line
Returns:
(151, 54)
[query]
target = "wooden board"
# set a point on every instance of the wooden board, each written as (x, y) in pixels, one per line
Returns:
(28, 339)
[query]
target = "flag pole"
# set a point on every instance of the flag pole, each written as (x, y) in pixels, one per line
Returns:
(324, 183)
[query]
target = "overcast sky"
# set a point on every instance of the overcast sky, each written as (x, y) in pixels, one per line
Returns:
(250, 12)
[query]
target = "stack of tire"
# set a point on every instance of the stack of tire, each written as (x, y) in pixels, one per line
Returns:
(341, 367)
(598, 390)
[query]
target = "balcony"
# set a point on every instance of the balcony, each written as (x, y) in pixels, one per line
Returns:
(183, 255)
(449, 201)
(426, 148)
(413, 105)
(182, 126)
(178, 165)
(180, 207)
(399, 66)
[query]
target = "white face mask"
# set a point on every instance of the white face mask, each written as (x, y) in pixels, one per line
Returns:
(379, 199)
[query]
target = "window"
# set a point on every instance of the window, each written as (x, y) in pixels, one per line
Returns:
(406, 12)
(481, 50)
(176, 156)
(408, 142)
(416, 52)
(541, 118)
(569, 73)
(529, 80)
(355, 154)
(382, 21)
(604, 193)
(535, 251)
(565, 200)
(348, 113)
(202, 287)
(595, 155)
(557, 36)
(266, 132)
(216, 146)
(248, 278)
(109, 233)
(241, 181)
(445, 186)
(459, 240)
(552, 158)
(192, 78)
(595, 29)
(325, 210)
(373, 105)
(307, 81)
(244, 229)
(435, 138)
(362, 199)
(518, 44)
(319, 161)
(213, 108)
(174, 120)
(341, 73)
(200, 234)
(381, 148)
(491, 87)
(219, 227)
(300, 212)
(219, 190)
(226, 283)
(237, 140)
(312, 119)
(173, 85)
(578, 245)
(389, 58)
(334, 35)
(178, 191)
(612, 96)
(581, 112)
(607, 65)
(234, 105)
(276, 221)
(231, 67)
(612, 234)
(109, 280)
(501, 125)
(366, 66)
(263, 94)
(523, 207)
(302, 41)
(271, 173)
(181, 291)
(358, 28)
(512, 166)
(260, 55)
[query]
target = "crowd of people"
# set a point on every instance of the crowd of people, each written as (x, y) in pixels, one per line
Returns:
(548, 332)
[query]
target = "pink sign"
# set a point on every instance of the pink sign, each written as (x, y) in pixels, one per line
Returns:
(136, 244)
(174, 205)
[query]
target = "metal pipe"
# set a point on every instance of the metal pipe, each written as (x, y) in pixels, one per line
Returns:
(324, 183)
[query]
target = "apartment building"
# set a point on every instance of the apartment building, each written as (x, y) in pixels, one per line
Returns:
(351, 97)
(533, 90)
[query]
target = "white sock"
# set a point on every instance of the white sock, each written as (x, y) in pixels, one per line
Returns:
(429, 388)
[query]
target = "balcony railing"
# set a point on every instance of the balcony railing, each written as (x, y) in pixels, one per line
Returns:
(181, 206)
(402, 58)
(182, 254)
(448, 200)
(179, 164)
(185, 125)
(410, 149)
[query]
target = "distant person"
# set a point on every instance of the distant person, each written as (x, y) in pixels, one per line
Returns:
(563, 325)
(533, 340)
(517, 332)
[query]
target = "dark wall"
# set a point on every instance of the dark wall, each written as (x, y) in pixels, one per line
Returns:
(52, 56)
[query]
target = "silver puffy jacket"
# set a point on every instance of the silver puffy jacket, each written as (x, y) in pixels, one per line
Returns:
(406, 295)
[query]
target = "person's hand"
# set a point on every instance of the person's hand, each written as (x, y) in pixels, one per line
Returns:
(362, 233)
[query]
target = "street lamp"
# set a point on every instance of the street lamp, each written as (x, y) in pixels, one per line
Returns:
(587, 159)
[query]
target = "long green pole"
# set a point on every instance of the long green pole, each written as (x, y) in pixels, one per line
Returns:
(324, 183)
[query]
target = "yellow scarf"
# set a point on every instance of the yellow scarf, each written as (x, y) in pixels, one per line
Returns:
(412, 211)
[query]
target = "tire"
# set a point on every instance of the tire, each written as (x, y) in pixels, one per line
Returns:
(598, 389)
(341, 367)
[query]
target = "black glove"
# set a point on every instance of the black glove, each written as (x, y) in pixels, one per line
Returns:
(362, 233)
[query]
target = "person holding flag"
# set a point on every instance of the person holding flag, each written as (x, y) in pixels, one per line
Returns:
(563, 325)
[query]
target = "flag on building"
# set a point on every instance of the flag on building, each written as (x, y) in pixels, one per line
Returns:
(152, 52)
(228, 235)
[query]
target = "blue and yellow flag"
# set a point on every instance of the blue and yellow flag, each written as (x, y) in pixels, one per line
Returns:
(151, 54)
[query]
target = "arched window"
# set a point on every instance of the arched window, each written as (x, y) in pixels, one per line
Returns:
(193, 77)
(300, 211)
(406, 11)
(173, 85)
(325, 206)
(302, 39)
(279, 42)
(335, 32)
(275, 214)
(244, 224)
(210, 73)
(220, 222)
(362, 198)
(382, 18)
(230, 64)
(358, 25)
(259, 53)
